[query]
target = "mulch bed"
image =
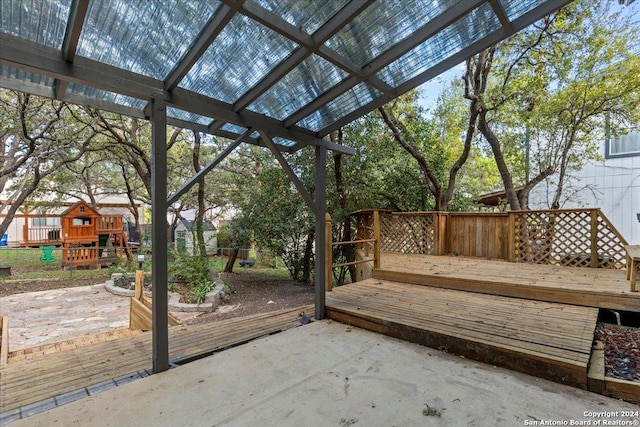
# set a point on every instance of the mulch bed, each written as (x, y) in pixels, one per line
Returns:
(621, 349)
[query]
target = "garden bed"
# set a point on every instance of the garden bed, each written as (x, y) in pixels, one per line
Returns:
(123, 285)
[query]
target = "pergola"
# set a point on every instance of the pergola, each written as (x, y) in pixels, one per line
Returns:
(276, 73)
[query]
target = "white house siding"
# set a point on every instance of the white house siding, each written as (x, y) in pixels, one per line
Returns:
(612, 185)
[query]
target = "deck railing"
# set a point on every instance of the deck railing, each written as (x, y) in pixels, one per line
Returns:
(40, 234)
(367, 244)
(108, 223)
(567, 237)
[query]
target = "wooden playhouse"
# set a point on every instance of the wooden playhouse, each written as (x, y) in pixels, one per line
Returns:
(88, 238)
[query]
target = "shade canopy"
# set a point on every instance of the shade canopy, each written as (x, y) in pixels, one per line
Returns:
(297, 69)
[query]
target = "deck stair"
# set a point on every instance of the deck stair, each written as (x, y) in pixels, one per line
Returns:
(49, 374)
(545, 339)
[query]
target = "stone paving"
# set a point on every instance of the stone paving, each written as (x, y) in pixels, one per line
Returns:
(48, 316)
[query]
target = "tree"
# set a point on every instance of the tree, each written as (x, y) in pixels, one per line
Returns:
(558, 79)
(435, 144)
(39, 137)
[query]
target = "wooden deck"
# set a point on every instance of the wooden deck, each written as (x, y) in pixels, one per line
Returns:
(548, 340)
(51, 374)
(590, 287)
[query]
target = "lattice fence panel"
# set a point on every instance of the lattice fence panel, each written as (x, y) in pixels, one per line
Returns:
(409, 234)
(610, 246)
(564, 238)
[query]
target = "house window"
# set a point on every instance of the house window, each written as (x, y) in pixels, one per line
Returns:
(624, 145)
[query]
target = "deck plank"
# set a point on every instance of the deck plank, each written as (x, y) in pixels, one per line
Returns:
(32, 380)
(546, 339)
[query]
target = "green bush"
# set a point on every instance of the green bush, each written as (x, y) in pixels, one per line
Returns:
(188, 269)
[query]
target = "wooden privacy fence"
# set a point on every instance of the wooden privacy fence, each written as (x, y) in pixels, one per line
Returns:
(567, 237)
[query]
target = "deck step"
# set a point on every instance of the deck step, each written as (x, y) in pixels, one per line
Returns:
(34, 352)
(61, 372)
(543, 339)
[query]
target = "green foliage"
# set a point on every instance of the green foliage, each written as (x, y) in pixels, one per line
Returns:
(279, 220)
(188, 269)
(201, 289)
(229, 291)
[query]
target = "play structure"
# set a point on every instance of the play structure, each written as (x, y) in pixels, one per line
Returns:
(86, 237)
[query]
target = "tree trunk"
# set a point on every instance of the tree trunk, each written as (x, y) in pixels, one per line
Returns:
(344, 204)
(507, 179)
(228, 268)
(429, 176)
(199, 220)
(307, 265)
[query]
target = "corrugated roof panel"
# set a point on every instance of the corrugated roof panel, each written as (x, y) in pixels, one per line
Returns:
(362, 40)
(40, 21)
(302, 85)
(146, 37)
(349, 101)
(308, 15)
(451, 40)
(243, 54)
(103, 95)
(230, 127)
(188, 117)
(516, 8)
(26, 76)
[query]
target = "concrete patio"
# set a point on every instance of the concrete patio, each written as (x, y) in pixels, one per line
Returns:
(330, 374)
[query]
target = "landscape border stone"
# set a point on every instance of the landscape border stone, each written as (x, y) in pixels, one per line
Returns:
(211, 300)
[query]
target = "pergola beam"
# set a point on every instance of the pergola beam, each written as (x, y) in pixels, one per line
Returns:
(205, 170)
(502, 17)
(289, 171)
(77, 13)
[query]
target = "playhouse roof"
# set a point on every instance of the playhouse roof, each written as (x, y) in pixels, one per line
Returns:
(77, 206)
(296, 69)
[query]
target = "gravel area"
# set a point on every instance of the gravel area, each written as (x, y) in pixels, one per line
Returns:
(622, 351)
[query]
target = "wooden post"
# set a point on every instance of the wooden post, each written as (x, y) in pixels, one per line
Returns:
(4, 340)
(366, 230)
(139, 285)
(443, 233)
(377, 235)
(511, 238)
(594, 239)
(329, 253)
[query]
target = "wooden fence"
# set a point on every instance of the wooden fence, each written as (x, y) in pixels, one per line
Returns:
(568, 237)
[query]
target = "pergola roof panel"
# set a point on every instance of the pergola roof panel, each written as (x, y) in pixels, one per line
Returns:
(308, 15)
(336, 109)
(516, 8)
(26, 76)
(40, 21)
(146, 37)
(103, 95)
(243, 54)
(188, 117)
(294, 69)
(302, 85)
(362, 40)
(452, 39)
